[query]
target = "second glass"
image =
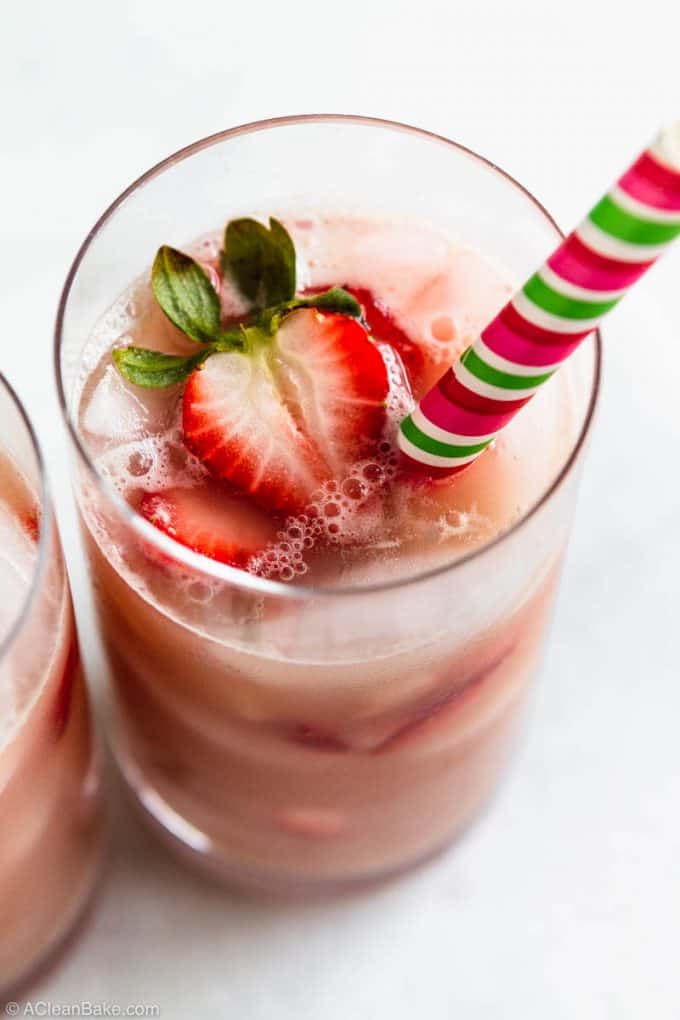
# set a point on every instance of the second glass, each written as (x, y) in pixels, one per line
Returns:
(51, 812)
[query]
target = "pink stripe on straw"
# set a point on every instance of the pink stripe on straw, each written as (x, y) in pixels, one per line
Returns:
(578, 264)
(457, 393)
(502, 339)
(648, 181)
(438, 409)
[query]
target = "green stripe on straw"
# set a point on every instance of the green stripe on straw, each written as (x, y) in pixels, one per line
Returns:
(614, 220)
(493, 376)
(425, 442)
(550, 300)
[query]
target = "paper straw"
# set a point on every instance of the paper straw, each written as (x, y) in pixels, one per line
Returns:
(547, 319)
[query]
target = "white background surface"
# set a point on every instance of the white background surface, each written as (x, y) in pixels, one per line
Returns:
(564, 902)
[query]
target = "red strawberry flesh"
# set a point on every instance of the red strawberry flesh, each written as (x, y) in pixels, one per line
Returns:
(210, 520)
(30, 521)
(337, 383)
(383, 326)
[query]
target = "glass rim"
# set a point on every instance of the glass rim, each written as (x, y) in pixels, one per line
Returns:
(223, 571)
(45, 521)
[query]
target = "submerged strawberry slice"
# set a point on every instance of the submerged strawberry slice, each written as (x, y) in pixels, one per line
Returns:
(317, 740)
(292, 412)
(62, 705)
(30, 521)
(210, 520)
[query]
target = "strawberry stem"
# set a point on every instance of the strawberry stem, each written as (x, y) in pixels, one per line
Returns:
(231, 340)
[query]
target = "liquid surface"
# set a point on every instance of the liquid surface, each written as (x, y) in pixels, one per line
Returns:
(373, 524)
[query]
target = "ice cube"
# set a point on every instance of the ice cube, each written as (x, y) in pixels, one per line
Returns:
(113, 411)
(454, 302)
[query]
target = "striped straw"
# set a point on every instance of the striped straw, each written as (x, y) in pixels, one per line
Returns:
(555, 310)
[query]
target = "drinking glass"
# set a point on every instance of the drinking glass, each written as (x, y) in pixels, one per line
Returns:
(51, 811)
(287, 735)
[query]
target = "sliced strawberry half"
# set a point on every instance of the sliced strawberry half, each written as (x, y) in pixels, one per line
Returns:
(293, 412)
(210, 520)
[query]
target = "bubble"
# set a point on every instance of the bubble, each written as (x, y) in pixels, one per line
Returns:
(353, 488)
(199, 592)
(443, 329)
(372, 472)
(468, 525)
(139, 463)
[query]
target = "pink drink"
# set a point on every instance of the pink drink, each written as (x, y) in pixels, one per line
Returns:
(341, 707)
(50, 814)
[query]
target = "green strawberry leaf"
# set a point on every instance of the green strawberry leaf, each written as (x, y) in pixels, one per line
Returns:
(260, 261)
(185, 294)
(334, 300)
(154, 370)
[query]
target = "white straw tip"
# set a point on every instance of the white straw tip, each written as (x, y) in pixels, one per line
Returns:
(666, 148)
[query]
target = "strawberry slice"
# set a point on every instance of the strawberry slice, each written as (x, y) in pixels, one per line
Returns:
(383, 326)
(210, 520)
(290, 413)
